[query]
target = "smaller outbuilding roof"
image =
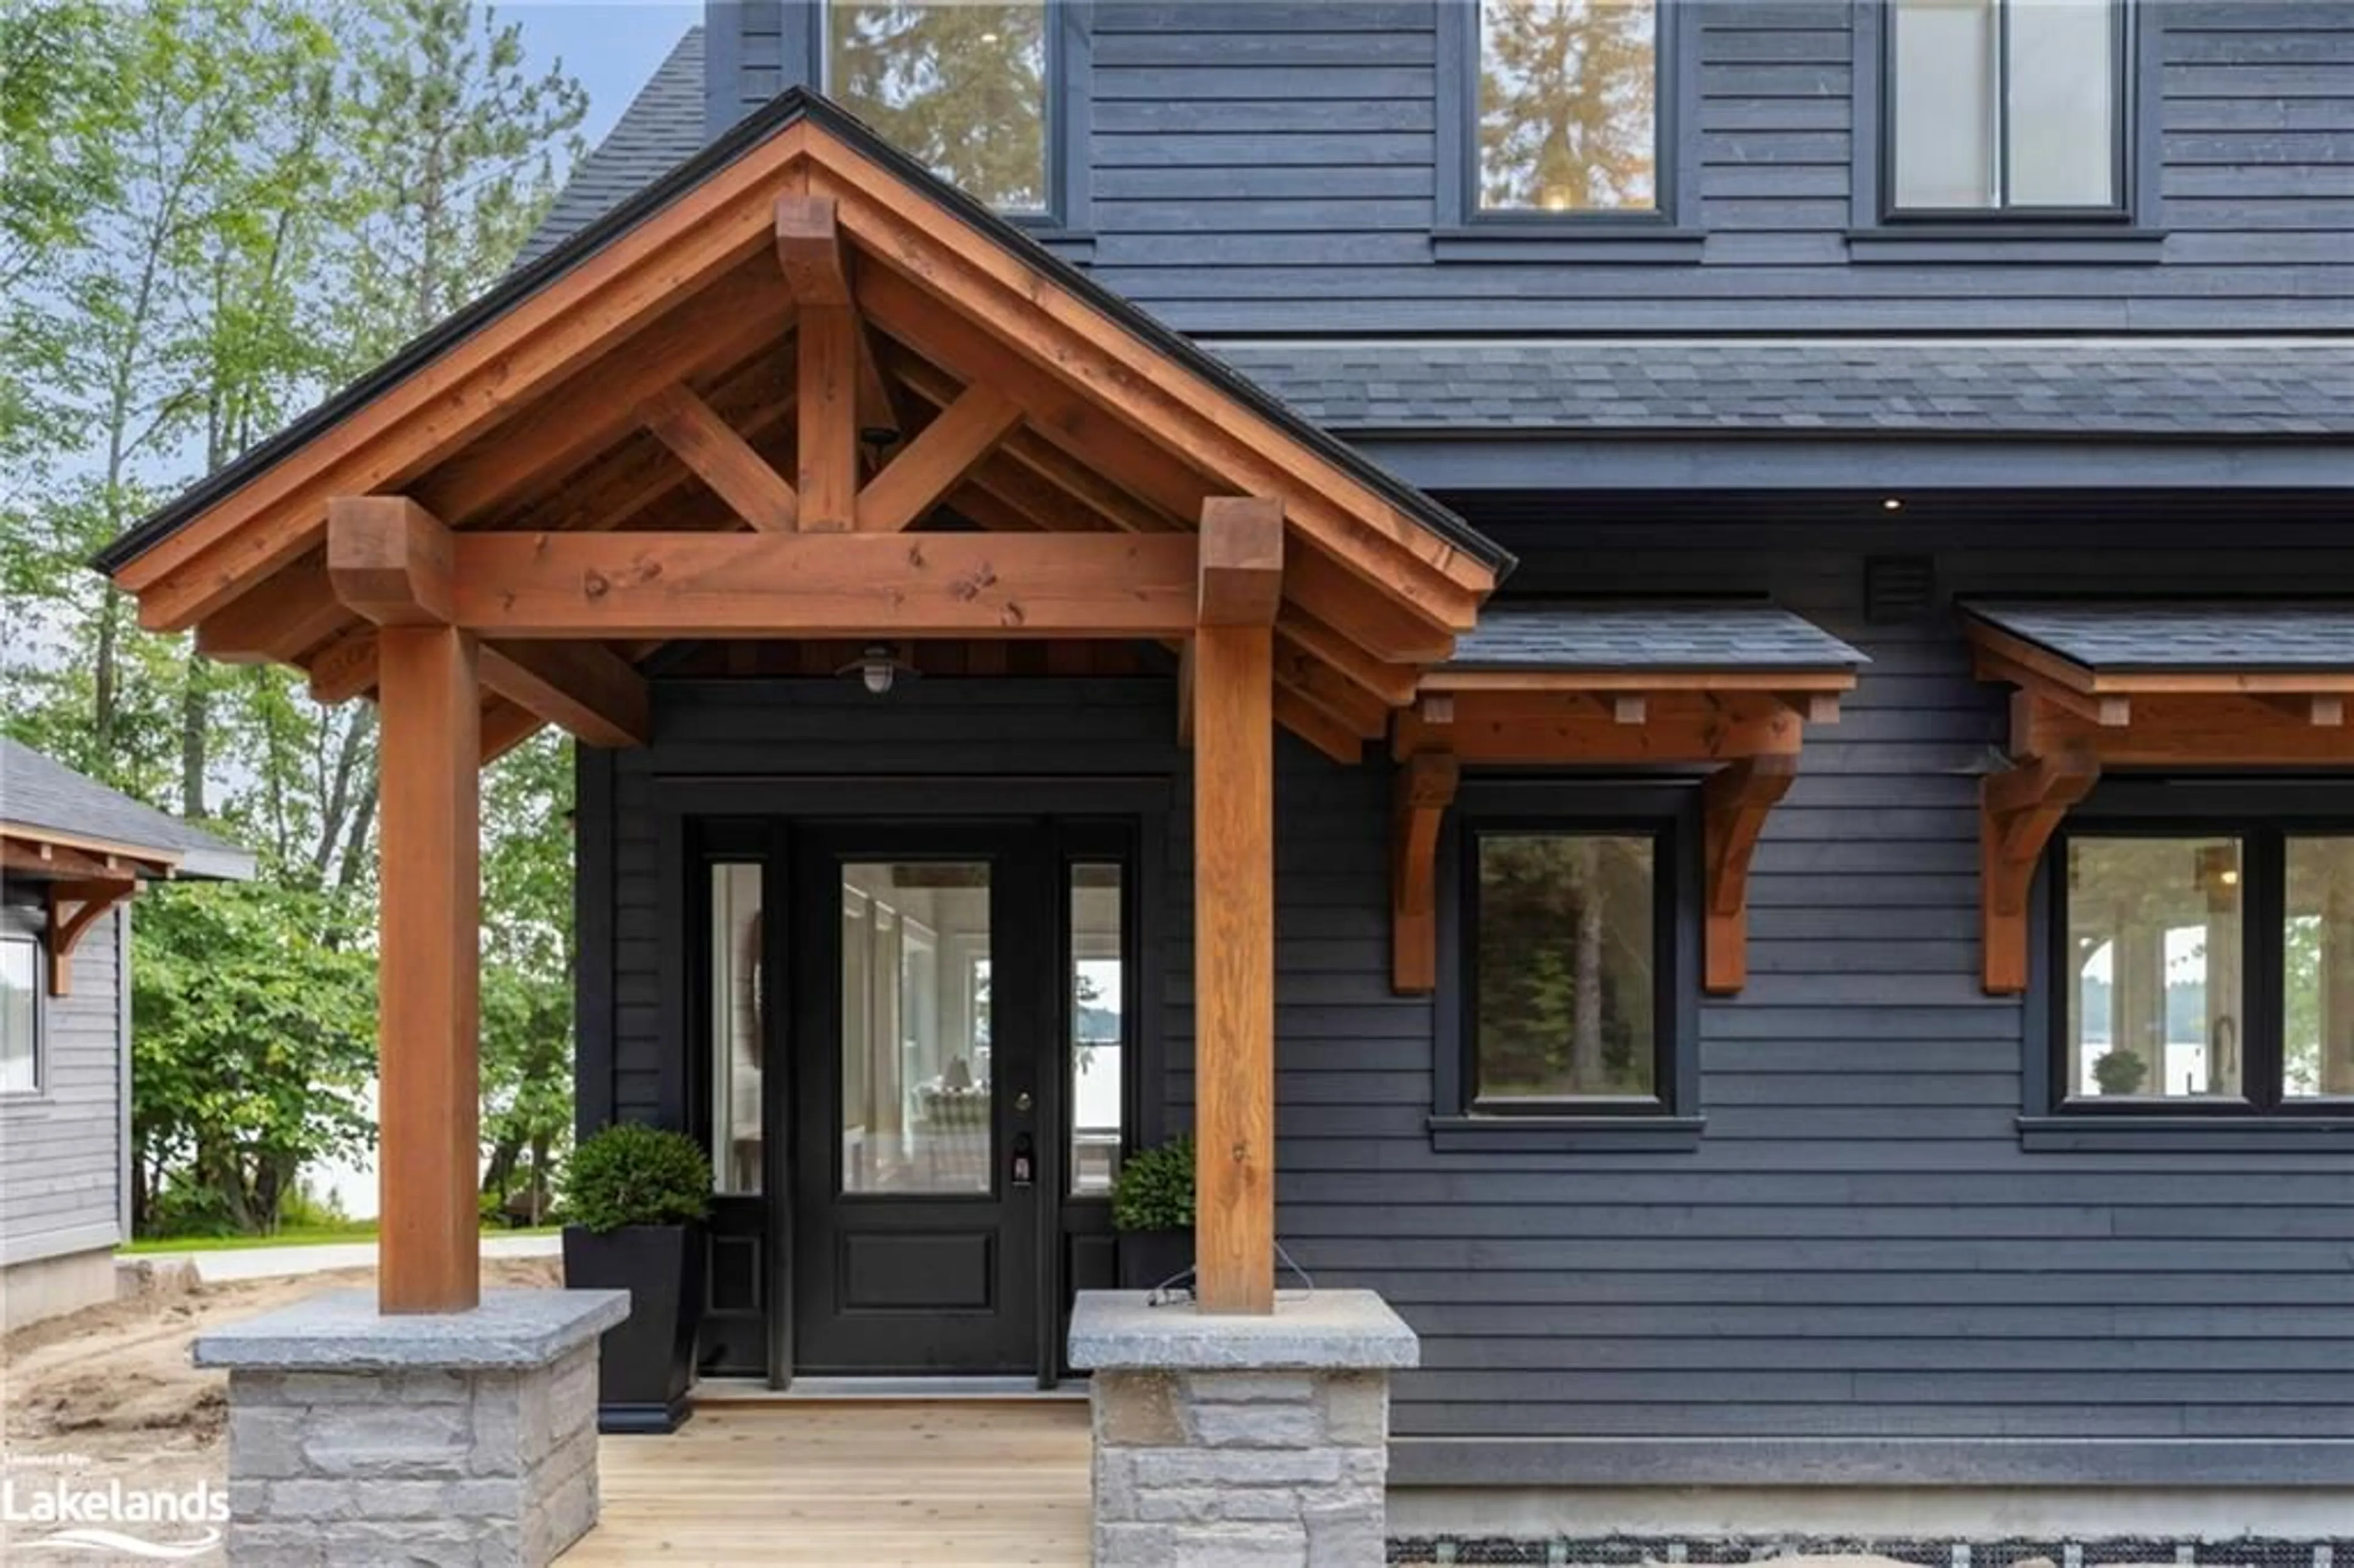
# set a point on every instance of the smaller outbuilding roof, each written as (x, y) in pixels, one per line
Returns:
(1637, 634)
(43, 798)
(2121, 635)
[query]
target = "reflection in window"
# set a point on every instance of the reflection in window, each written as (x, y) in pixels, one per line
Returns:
(1098, 1028)
(1565, 993)
(960, 88)
(2155, 996)
(735, 1037)
(20, 1016)
(2005, 104)
(1568, 105)
(2318, 1024)
(916, 1096)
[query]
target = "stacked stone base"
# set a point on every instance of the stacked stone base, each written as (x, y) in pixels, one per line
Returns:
(1240, 1441)
(422, 1445)
(1240, 1468)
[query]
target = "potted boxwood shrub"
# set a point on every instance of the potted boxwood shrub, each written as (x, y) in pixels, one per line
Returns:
(636, 1197)
(1152, 1209)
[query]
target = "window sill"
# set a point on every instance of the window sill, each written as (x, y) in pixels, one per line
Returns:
(1566, 1134)
(2007, 244)
(2187, 1134)
(1636, 244)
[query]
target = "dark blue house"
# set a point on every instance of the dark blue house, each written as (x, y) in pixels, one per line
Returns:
(1813, 912)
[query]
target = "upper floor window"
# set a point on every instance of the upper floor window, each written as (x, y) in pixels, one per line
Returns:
(2013, 107)
(20, 1014)
(960, 88)
(1568, 106)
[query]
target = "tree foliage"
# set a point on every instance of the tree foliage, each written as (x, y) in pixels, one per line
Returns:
(212, 213)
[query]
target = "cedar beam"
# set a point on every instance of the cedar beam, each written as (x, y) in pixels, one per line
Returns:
(278, 620)
(722, 458)
(428, 1008)
(390, 559)
(826, 379)
(1234, 981)
(74, 906)
(1424, 789)
(2018, 812)
(1733, 806)
(1241, 560)
(936, 462)
(627, 586)
(580, 687)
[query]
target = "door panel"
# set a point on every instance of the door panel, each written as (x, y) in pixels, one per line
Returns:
(921, 965)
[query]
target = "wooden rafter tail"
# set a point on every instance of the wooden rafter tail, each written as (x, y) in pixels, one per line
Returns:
(1734, 804)
(74, 906)
(1426, 787)
(2019, 810)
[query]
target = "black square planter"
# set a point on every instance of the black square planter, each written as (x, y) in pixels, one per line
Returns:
(647, 1361)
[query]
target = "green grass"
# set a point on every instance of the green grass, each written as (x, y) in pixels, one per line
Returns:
(356, 1232)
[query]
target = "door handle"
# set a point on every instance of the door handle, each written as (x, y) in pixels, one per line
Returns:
(1022, 1102)
(1025, 1162)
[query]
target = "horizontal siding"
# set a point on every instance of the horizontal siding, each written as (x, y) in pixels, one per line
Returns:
(1271, 169)
(60, 1150)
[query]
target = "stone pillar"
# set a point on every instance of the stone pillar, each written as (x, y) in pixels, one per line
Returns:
(1240, 1440)
(448, 1438)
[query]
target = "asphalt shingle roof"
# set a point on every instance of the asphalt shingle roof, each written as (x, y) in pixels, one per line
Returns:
(37, 792)
(1631, 634)
(2118, 635)
(662, 129)
(1940, 386)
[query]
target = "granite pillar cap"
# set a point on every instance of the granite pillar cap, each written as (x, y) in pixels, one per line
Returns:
(1323, 1331)
(341, 1330)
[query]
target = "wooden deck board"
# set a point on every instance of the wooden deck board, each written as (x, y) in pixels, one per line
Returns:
(967, 1485)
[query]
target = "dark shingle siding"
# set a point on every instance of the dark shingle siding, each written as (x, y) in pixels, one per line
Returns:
(2157, 635)
(2011, 386)
(1639, 636)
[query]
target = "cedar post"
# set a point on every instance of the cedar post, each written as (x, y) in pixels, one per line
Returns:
(1233, 904)
(427, 1008)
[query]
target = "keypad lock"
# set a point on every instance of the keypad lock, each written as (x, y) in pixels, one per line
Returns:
(1025, 1161)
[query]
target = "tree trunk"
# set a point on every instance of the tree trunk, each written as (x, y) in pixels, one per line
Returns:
(195, 726)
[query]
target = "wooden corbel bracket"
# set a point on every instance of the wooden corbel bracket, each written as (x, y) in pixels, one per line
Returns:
(2018, 812)
(1734, 805)
(1426, 787)
(74, 907)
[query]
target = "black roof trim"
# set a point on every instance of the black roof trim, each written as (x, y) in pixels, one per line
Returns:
(794, 104)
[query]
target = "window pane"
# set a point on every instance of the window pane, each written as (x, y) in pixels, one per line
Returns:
(1568, 105)
(735, 1037)
(2061, 99)
(915, 1104)
(2154, 988)
(1099, 1029)
(19, 1048)
(1567, 949)
(2318, 1024)
(1943, 71)
(960, 88)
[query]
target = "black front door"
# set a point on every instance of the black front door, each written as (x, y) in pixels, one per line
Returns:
(924, 1019)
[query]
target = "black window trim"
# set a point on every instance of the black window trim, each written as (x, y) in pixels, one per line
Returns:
(21, 929)
(2129, 230)
(1065, 224)
(1670, 231)
(2266, 813)
(1667, 810)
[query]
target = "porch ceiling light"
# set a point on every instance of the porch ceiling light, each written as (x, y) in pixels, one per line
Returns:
(878, 670)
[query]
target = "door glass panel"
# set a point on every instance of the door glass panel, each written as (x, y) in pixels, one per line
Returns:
(736, 1037)
(2318, 954)
(1098, 1027)
(2154, 966)
(916, 1112)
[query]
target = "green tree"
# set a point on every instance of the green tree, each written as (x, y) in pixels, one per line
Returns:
(961, 88)
(527, 959)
